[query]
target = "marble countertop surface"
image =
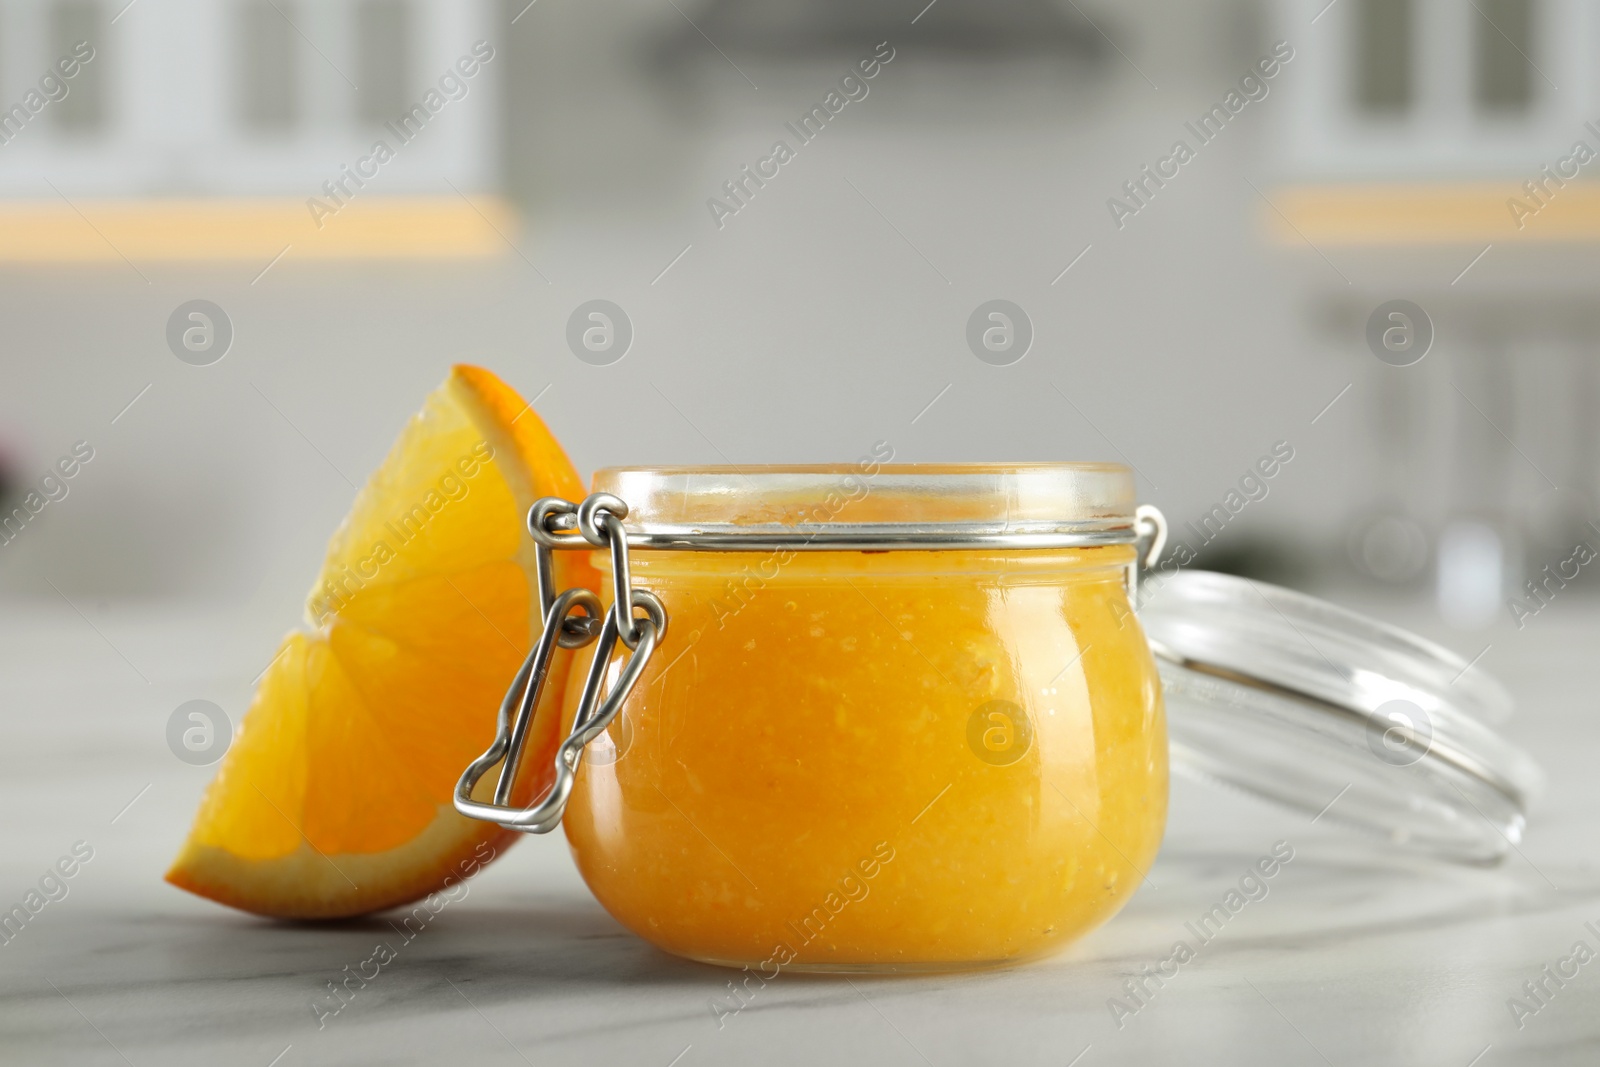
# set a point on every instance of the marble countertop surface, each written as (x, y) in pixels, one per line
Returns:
(1357, 956)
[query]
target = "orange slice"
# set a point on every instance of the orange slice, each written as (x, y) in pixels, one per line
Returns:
(335, 798)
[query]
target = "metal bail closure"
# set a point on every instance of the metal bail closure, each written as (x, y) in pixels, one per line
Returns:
(1150, 532)
(552, 522)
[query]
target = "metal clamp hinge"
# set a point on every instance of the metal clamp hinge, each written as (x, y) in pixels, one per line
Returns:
(1150, 531)
(598, 521)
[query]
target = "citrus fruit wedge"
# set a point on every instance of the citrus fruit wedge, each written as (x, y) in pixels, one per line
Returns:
(335, 798)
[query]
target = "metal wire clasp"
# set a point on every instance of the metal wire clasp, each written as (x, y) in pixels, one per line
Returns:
(1150, 533)
(556, 523)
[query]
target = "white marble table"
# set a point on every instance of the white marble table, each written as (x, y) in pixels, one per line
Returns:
(1357, 956)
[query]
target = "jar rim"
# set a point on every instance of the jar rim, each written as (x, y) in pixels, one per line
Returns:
(871, 504)
(963, 467)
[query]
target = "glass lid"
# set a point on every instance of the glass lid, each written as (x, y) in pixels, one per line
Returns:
(1351, 720)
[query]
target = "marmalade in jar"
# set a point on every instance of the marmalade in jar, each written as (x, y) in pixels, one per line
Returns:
(847, 760)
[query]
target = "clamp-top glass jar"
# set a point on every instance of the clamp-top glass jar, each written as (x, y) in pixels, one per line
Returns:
(906, 718)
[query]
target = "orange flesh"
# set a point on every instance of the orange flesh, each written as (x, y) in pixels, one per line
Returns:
(800, 782)
(335, 798)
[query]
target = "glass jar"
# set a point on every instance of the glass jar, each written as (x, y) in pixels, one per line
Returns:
(877, 759)
(907, 718)
(856, 757)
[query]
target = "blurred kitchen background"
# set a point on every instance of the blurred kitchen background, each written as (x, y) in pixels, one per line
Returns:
(205, 152)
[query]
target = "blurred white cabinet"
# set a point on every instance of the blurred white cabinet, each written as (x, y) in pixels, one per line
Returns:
(1420, 89)
(249, 97)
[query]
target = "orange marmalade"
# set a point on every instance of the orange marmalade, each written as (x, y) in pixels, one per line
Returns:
(903, 759)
